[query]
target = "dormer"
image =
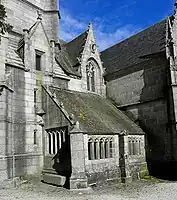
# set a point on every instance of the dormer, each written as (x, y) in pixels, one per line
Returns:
(35, 49)
(81, 59)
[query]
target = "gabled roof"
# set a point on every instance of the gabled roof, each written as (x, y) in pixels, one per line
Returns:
(128, 52)
(68, 56)
(94, 113)
(63, 59)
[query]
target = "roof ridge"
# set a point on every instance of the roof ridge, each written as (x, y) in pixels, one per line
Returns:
(134, 35)
(77, 37)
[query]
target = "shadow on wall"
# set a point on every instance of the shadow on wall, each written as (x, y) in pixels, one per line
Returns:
(62, 163)
(16, 133)
(153, 118)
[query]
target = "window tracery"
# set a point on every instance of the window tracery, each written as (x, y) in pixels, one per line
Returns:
(100, 148)
(134, 145)
(56, 139)
(91, 74)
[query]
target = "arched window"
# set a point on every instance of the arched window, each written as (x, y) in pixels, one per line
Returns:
(90, 73)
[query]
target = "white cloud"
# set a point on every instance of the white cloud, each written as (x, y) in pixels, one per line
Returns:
(106, 40)
(72, 27)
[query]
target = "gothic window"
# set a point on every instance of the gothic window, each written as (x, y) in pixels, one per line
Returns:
(21, 53)
(134, 146)
(35, 137)
(90, 72)
(111, 148)
(54, 143)
(38, 55)
(100, 148)
(90, 149)
(106, 144)
(38, 62)
(56, 139)
(49, 143)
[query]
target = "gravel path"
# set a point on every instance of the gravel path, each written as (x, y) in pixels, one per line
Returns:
(140, 190)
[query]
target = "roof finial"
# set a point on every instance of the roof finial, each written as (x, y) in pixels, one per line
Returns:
(175, 7)
(90, 26)
(175, 4)
(39, 15)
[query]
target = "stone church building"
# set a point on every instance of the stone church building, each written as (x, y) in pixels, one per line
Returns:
(141, 81)
(66, 118)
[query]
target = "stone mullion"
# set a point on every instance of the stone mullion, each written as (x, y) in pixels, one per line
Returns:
(47, 143)
(59, 138)
(136, 151)
(92, 156)
(98, 149)
(139, 143)
(88, 87)
(103, 149)
(90, 83)
(62, 137)
(56, 146)
(107, 150)
(131, 147)
(102, 152)
(51, 142)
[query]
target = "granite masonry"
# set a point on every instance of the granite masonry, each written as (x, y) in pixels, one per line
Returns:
(141, 81)
(55, 118)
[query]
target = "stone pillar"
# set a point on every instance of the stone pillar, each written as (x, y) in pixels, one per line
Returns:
(107, 149)
(97, 149)
(59, 137)
(123, 159)
(51, 143)
(91, 150)
(46, 143)
(78, 177)
(102, 156)
(56, 143)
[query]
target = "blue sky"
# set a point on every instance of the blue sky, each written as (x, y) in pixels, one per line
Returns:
(113, 20)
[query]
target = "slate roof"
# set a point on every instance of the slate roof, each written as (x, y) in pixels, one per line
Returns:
(76, 47)
(12, 57)
(67, 56)
(63, 59)
(128, 52)
(95, 113)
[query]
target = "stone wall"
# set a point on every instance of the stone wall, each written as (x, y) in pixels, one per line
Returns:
(20, 124)
(85, 57)
(102, 169)
(143, 82)
(22, 15)
(142, 92)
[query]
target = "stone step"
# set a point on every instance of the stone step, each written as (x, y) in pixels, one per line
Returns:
(53, 178)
